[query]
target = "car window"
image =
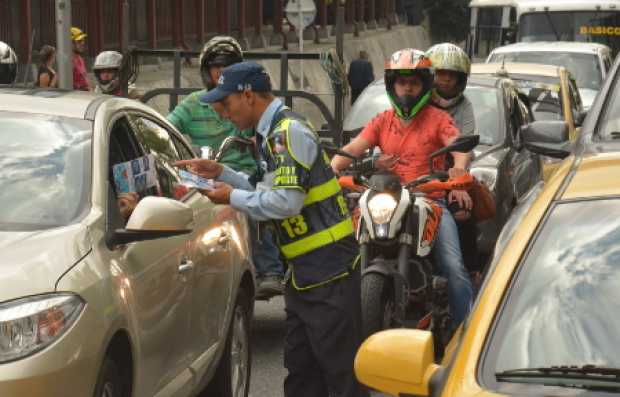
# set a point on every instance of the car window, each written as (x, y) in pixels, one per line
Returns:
(124, 148)
(156, 141)
(557, 310)
(45, 171)
(584, 67)
(484, 101)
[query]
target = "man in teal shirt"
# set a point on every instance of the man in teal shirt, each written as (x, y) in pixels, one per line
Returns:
(202, 125)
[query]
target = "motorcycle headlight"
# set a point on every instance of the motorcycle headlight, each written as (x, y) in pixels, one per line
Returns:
(381, 208)
(486, 175)
(31, 324)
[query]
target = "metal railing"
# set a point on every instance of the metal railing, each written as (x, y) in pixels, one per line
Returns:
(333, 121)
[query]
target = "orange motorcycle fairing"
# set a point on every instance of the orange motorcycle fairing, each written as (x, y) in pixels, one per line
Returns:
(431, 226)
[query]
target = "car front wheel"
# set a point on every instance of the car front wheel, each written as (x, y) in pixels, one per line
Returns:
(110, 382)
(232, 378)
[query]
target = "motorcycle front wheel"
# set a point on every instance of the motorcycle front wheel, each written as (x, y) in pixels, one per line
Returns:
(378, 306)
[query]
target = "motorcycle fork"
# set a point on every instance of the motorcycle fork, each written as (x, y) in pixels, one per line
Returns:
(401, 280)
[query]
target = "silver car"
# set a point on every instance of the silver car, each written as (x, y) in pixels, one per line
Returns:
(95, 304)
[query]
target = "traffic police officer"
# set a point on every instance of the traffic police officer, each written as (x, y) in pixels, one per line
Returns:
(300, 193)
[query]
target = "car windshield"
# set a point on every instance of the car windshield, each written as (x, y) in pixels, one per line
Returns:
(585, 68)
(585, 26)
(45, 164)
(484, 101)
(561, 307)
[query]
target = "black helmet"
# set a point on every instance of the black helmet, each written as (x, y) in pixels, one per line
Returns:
(219, 51)
(8, 64)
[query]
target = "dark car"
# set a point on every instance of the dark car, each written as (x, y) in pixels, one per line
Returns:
(501, 161)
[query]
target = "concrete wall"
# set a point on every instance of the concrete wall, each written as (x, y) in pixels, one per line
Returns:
(380, 44)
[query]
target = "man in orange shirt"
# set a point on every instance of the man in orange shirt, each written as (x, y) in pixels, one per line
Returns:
(407, 134)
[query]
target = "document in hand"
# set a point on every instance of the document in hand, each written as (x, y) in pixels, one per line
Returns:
(138, 175)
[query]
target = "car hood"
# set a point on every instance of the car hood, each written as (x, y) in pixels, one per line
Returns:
(587, 97)
(32, 262)
(488, 156)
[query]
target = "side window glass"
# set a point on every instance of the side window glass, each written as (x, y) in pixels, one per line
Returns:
(123, 145)
(156, 141)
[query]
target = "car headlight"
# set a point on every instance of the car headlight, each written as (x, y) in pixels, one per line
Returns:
(381, 207)
(486, 175)
(31, 324)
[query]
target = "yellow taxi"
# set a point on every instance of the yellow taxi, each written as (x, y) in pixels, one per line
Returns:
(550, 91)
(545, 322)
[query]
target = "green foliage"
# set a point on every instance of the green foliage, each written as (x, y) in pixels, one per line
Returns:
(449, 19)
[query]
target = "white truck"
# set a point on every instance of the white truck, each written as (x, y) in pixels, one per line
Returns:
(495, 23)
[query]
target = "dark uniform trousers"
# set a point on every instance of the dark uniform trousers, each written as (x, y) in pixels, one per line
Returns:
(323, 334)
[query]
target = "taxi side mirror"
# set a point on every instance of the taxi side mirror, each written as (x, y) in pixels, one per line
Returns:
(397, 362)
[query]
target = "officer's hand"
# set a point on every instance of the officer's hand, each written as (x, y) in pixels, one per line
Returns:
(386, 162)
(456, 172)
(220, 194)
(205, 168)
(462, 197)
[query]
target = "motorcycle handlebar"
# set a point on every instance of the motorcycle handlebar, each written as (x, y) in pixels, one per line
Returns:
(431, 183)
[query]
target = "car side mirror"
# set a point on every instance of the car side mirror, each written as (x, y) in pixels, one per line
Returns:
(549, 138)
(545, 131)
(154, 218)
(398, 362)
(228, 143)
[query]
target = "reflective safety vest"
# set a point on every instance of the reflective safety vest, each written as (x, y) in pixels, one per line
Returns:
(318, 243)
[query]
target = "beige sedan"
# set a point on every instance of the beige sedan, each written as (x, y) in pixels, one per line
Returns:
(91, 303)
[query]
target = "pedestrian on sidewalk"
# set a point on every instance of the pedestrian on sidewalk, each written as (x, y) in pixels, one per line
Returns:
(80, 76)
(203, 126)
(360, 75)
(306, 205)
(46, 75)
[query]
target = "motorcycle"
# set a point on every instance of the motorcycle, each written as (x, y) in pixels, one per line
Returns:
(396, 231)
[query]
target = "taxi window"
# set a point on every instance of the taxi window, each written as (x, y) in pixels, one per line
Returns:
(557, 310)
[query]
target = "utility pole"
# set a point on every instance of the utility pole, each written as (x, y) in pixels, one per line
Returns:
(64, 49)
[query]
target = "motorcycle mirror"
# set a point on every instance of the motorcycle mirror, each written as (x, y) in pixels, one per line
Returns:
(232, 141)
(332, 150)
(462, 144)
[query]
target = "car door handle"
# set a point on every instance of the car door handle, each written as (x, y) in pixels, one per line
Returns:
(185, 266)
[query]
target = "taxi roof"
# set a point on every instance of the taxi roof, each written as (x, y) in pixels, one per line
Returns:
(595, 176)
(517, 68)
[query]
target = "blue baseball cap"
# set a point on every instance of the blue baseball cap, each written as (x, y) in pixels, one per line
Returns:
(239, 77)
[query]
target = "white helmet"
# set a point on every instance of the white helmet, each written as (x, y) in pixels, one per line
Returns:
(104, 61)
(8, 64)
